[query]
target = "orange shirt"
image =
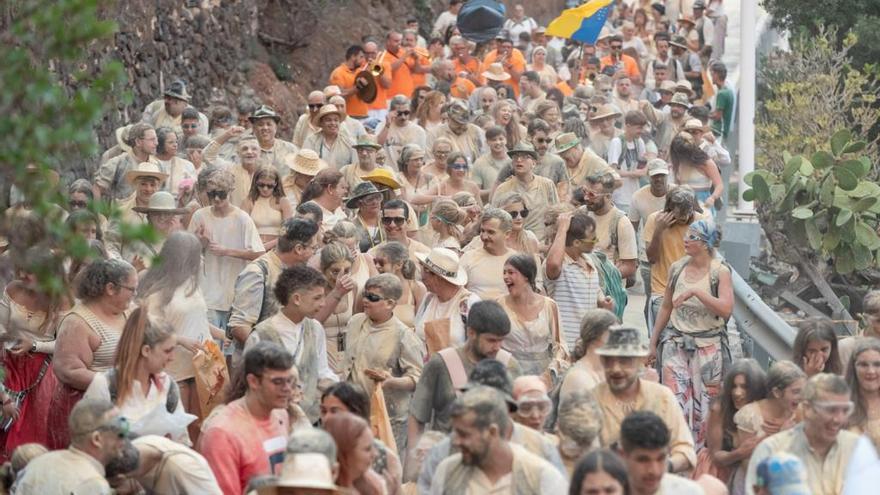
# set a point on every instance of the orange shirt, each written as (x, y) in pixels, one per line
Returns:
(565, 88)
(343, 77)
(461, 88)
(381, 101)
(401, 79)
(516, 60)
(419, 79)
(629, 65)
(471, 67)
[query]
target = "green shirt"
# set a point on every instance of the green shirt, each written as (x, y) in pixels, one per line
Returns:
(724, 103)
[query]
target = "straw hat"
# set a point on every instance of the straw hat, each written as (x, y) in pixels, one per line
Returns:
(680, 99)
(566, 141)
(604, 34)
(495, 72)
(685, 86)
(265, 112)
(624, 342)
(445, 264)
(331, 91)
(694, 125)
(605, 111)
(177, 90)
(668, 86)
(145, 169)
(382, 176)
(679, 41)
(523, 147)
(361, 190)
(326, 110)
(367, 141)
(161, 202)
(687, 19)
(306, 470)
(306, 162)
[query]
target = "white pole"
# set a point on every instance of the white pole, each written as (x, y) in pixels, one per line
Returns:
(747, 78)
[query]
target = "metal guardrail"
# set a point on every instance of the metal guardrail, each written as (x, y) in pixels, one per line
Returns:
(771, 337)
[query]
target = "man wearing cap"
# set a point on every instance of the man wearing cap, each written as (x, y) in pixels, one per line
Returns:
(304, 165)
(366, 148)
(827, 449)
(304, 125)
(465, 137)
(345, 77)
(580, 162)
(398, 129)
(668, 122)
(487, 461)
(601, 127)
(512, 60)
(98, 435)
(367, 201)
(623, 392)
(167, 112)
(615, 234)
(110, 180)
(537, 192)
(647, 200)
(690, 63)
(273, 150)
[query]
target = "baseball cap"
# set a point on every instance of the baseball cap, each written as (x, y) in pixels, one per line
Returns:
(657, 166)
(782, 474)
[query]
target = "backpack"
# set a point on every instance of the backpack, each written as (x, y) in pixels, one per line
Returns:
(610, 281)
(714, 273)
(171, 401)
(457, 374)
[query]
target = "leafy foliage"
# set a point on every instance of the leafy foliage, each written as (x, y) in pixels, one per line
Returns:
(825, 203)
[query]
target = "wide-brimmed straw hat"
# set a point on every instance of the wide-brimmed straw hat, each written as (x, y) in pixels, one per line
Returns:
(496, 72)
(688, 19)
(624, 342)
(566, 141)
(328, 109)
(383, 177)
(122, 136)
(361, 190)
(145, 169)
(161, 202)
(305, 162)
(605, 111)
(309, 471)
(445, 264)
(668, 86)
(177, 90)
(694, 125)
(683, 85)
(264, 112)
(367, 141)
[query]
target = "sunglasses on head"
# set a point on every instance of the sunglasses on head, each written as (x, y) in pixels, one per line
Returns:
(217, 194)
(372, 297)
(395, 220)
(524, 213)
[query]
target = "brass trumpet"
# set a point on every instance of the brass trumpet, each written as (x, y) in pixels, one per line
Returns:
(376, 68)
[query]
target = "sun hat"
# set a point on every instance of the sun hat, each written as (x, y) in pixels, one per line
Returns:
(361, 190)
(145, 169)
(331, 91)
(496, 72)
(680, 99)
(605, 111)
(328, 109)
(693, 124)
(657, 166)
(264, 112)
(177, 90)
(699, 4)
(523, 147)
(367, 141)
(161, 202)
(445, 264)
(668, 86)
(305, 162)
(679, 41)
(306, 470)
(540, 30)
(683, 85)
(782, 474)
(624, 342)
(689, 19)
(566, 141)
(458, 111)
(383, 177)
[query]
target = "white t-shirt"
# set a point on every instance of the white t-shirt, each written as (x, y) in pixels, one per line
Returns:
(236, 231)
(642, 205)
(485, 273)
(624, 157)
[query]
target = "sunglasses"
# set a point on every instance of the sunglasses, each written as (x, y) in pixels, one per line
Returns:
(692, 237)
(395, 220)
(315, 106)
(403, 113)
(833, 408)
(189, 126)
(543, 140)
(77, 204)
(524, 213)
(616, 47)
(373, 297)
(458, 166)
(217, 194)
(266, 186)
(592, 239)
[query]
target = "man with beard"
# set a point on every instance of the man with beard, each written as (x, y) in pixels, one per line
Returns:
(465, 137)
(617, 238)
(830, 453)
(668, 123)
(97, 437)
(446, 371)
(580, 162)
(487, 462)
(345, 77)
(624, 392)
(644, 446)
(168, 111)
(247, 438)
(398, 129)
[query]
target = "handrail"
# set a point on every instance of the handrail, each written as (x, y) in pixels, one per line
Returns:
(759, 321)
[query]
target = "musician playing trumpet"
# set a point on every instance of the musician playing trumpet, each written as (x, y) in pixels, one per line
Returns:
(346, 77)
(512, 60)
(418, 59)
(378, 64)
(400, 58)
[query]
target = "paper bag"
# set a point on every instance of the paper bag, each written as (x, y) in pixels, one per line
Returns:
(211, 376)
(436, 336)
(380, 420)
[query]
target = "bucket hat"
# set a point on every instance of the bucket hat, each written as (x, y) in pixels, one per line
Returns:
(459, 112)
(305, 162)
(693, 124)
(605, 111)
(523, 147)
(566, 141)
(367, 141)
(307, 470)
(679, 41)
(361, 190)
(264, 112)
(383, 177)
(161, 202)
(624, 342)
(668, 86)
(145, 169)
(444, 263)
(177, 90)
(680, 99)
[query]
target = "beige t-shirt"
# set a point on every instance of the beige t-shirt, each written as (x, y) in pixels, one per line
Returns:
(181, 469)
(485, 272)
(627, 248)
(643, 204)
(538, 195)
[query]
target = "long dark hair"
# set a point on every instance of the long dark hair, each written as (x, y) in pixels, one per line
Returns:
(277, 192)
(599, 461)
(324, 179)
(756, 389)
(526, 266)
(816, 329)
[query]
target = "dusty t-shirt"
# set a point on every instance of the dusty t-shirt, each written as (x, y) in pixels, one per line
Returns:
(642, 205)
(181, 469)
(236, 231)
(434, 393)
(671, 249)
(538, 195)
(626, 247)
(487, 168)
(485, 273)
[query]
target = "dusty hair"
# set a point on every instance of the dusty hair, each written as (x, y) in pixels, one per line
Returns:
(397, 253)
(594, 324)
(141, 329)
(334, 252)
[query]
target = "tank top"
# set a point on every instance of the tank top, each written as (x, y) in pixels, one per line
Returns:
(266, 218)
(103, 357)
(690, 176)
(692, 315)
(405, 310)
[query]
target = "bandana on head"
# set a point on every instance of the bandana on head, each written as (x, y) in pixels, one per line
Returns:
(707, 231)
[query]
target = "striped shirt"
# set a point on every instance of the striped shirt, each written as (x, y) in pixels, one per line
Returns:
(575, 291)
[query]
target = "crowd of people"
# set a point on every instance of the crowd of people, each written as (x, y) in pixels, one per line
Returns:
(422, 290)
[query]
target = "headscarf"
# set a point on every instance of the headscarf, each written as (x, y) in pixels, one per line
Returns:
(707, 231)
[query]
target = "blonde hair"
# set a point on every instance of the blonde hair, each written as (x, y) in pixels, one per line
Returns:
(451, 216)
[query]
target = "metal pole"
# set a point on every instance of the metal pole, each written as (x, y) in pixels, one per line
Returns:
(747, 78)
